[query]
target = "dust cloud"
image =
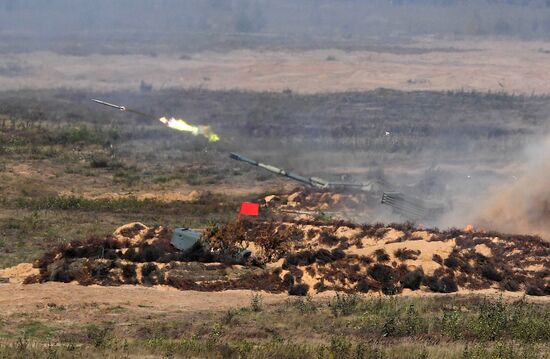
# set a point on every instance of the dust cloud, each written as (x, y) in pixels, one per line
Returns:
(522, 205)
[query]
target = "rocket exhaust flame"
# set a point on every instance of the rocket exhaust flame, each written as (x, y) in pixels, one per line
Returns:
(181, 125)
(176, 124)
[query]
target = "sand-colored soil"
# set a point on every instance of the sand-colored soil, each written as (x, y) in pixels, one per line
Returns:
(20, 298)
(504, 65)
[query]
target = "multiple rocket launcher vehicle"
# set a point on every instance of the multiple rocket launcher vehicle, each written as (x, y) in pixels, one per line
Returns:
(411, 208)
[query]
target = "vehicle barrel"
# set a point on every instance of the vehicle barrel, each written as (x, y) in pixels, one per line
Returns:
(311, 181)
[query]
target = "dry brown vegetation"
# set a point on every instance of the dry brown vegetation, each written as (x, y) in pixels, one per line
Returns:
(286, 258)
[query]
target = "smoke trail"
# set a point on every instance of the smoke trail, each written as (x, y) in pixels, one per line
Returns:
(523, 204)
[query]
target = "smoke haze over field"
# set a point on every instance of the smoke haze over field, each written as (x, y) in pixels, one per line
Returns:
(147, 21)
(460, 103)
(523, 204)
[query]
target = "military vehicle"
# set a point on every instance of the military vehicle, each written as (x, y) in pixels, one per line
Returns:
(409, 207)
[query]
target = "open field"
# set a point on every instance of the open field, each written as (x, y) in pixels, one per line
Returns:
(136, 322)
(65, 160)
(421, 64)
(317, 88)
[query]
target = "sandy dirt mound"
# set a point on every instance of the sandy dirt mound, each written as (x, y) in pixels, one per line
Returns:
(309, 203)
(307, 257)
(18, 273)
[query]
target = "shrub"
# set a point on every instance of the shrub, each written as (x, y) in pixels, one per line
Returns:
(129, 273)
(150, 274)
(452, 261)
(344, 304)
(288, 280)
(451, 323)
(534, 290)
(490, 273)
(491, 322)
(328, 239)
(320, 287)
(305, 306)
(382, 273)
(324, 256)
(412, 280)
(404, 253)
(338, 253)
(148, 268)
(362, 286)
(446, 284)
(302, 258)
(390, 289)
(256, 302)
(150, 253)
(511, 285)
(299, 289)
(381, 255)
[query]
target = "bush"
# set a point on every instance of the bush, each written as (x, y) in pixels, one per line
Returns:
(451, 262)
(150, 274)
(390, 289)
(305, 306)
(299, 289)
(381, 273)
(150, 253)
(446, 284)
(324, 256)
(328, 239)
(404, 254)
(510, 285)
(490, 273)
(288, 280)
(148, 268)
(437, 258)
(256, 302)
(412, 280)
(302, 258)
(534, 291)
(344, 304)
(338, 253)
(129, 273)
(491, 322)
(362, 286)
(381, 255)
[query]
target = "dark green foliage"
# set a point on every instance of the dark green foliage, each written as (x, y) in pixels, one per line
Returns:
(492, 321)
(344, 304)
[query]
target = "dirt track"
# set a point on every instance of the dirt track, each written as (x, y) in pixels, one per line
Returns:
(18, 298)
(21, 298)
(511, 66)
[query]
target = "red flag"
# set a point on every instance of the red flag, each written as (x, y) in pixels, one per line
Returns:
(249, 208)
